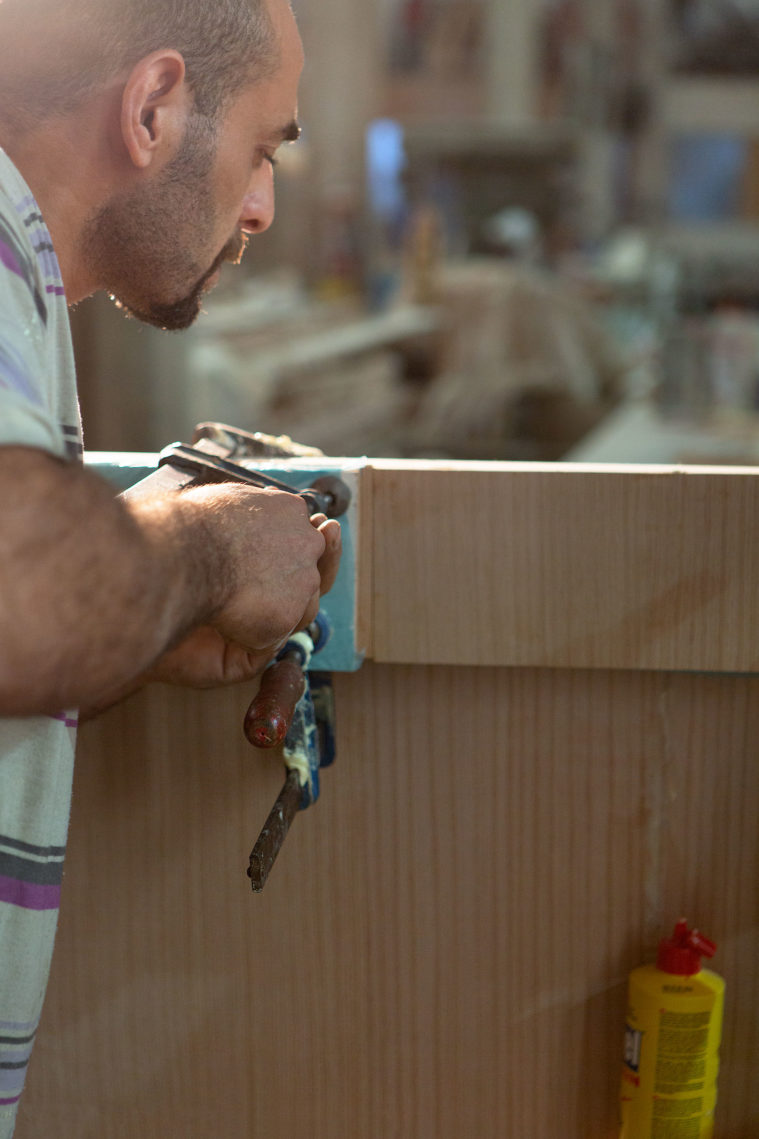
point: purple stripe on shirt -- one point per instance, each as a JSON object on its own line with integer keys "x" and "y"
{"x": 13, "y": 375}
{"x": 16, "y": 1086}
{"x": 28, "y": 895}
{"x": 19, "y": 1025}
{"x": 10, "y": 261}
{"x": 9, "y": 1102}
{"x": 46, "y": 258}
{"x": 56, "y": 290}
{"x": 66, "y": 719}
{"x": 18, "y": 1059}
{"x": 13, "y": 1080}
{"x": 48, "y": 262}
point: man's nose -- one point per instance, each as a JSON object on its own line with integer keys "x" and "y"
{"x": 258, "y": 205}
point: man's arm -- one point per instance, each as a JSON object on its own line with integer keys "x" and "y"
{"x": 205, "y": 659}
{"x": 93, "y": 589}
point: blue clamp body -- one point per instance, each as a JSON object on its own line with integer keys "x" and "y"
{"x": 310, "y": 741}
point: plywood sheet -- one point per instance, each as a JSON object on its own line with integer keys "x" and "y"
{"x": 564, "y": 566}
{"x": 440, "y": 952}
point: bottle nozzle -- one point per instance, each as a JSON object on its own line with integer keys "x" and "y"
{"x": 681, "y": 954}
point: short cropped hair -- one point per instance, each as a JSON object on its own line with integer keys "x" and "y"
{"x": 225, "y": 45}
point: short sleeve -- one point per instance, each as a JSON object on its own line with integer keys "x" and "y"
{"x": 25, "y": 415}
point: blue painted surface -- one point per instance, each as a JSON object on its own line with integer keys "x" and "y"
{"x": 341, "y": 654}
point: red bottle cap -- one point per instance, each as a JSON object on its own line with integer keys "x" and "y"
{"x": 681, "y": 954}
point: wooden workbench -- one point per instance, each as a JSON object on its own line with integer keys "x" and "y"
{"x": 549, "y": 756}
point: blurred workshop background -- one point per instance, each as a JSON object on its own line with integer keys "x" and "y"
{"x": 512, "y": 230}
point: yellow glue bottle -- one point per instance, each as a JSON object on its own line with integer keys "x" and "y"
{"x": 672, "y": 1037}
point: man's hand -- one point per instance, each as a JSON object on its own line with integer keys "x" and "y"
{"x": 259, "y": 552}
{"x": 206, "y": 660}
{"x": 94, "y": 589}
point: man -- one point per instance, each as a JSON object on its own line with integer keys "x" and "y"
{"x": 138, "y": 139}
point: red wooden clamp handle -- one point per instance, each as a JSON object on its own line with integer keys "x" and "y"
{"x": 270, "y": 714}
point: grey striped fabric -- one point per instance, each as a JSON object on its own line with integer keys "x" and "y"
{"x": 38, "y": 408}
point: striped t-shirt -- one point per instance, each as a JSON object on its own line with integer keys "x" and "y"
{"x": 38, "y": 408}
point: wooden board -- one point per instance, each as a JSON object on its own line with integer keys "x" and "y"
{"x": 441, "y": 950}
{"x": 566, "y": 566}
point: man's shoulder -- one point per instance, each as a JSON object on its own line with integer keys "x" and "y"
{"x": 37, "y": 371}
{"x": 16, "y": 198}
{"x": 19, "y": 218}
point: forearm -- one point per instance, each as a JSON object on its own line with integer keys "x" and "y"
{"x": 106, "y": 700}
{"x": 92, "y": 591}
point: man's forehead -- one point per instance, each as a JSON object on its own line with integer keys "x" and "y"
{"x": 270, "y": 102}
{"x": 271, "y": 110}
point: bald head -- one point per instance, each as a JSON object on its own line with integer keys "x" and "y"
{"x": 55, "y": 53}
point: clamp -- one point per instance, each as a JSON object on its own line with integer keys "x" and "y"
{"x": 328, "y": 495}
{"x": 296, "y": 709}
{"x": 293, "y": 708}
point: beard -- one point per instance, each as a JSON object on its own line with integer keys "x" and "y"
{"x": 142, "y": 245}
{"x": 174, "y": 316}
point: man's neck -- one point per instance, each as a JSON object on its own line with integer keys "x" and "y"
{"x": 68, "y": 186}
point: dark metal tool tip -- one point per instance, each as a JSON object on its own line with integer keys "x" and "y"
{"x": 271, "y": 838}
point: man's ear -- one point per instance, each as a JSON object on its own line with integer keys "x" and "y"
{"x": 154, "y": 108}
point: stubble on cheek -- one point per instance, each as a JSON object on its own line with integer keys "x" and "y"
{"x": 180, "y": 314}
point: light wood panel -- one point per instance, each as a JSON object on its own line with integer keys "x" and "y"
{"x": 440, "y": 952}
{"x": 566, "y": 566}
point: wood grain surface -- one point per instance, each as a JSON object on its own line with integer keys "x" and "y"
{"x": 566, "y": 566}
{"x": 536, "y": 777}
{"x": 440, "y": 951}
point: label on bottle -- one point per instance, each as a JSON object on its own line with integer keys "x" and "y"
{"x": 675, "y": 1129}
{"x": 681, "y": 1055}
{"x": 632, "y": 1048}
{"x": 669, "y": 1076}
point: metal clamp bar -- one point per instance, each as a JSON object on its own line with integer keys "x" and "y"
{"x": 328, "y": 496}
